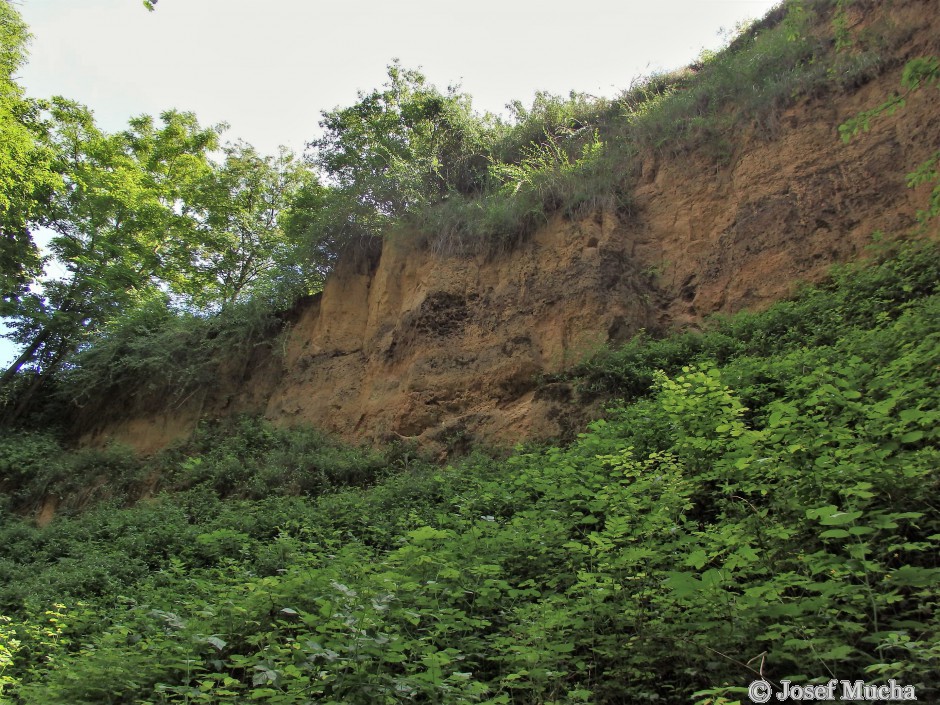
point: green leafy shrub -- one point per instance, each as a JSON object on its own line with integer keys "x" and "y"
{"x": 28, "y": 461}
{"x": 249, "y": 458}
{"x": 156, "y": 352}
{"x": 35, "y": 465}
{"x": 762, "y": 508}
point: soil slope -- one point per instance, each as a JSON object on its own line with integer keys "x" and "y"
{"x": 403, "y": 343}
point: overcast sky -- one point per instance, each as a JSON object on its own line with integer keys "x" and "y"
{"x": 269, "y": 67}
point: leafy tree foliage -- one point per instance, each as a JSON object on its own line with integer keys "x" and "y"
{"x": 402, "y": 145}
{"x": 149, "y": 219}
{"x": 145, "y": 217}
{"x": 241, "y": 205}
{"x": 26, "y": 176}
{"x": 118, "y": 231}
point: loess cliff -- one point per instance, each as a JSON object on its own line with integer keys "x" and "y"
{"x": 405, "y": 343}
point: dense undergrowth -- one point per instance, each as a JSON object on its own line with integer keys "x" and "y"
{"x": 767, "y": 503}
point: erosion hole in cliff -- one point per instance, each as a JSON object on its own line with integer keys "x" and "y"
{"x": 619, "y": 330}
{"x": 441, "y": 314}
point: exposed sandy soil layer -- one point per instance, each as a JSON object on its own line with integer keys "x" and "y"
{"x": 403, "y": 343}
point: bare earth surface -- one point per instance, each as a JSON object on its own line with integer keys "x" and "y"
{"x": 407, "y": 344}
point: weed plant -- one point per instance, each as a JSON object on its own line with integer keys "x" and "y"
{"x": 157, "y": 352}
{"x": 575, "y": 154}
{"x": 764, "y": 503}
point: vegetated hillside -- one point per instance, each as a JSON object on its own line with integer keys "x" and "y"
{"x": 759, "y": 503}
{"x": 763, "y": 506}
{"x": 713, "y": 190}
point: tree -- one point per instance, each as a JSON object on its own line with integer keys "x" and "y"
{"x": 26, "y": 177}
{"x": 120, "y": 233}
{"x": 240, "y": 205}
{"x": 320, "y": 222}
{"x": 399, "y": 146}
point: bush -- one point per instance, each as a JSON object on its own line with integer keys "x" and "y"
{"x": 770, "y": 511}
{"x": 249, "y": 458}
{"x": 156, "y": 352}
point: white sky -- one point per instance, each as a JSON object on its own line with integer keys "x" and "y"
{"x": 269, "y": 67}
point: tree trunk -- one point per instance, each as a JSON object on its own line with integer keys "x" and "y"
{"x": 44, "y": 335}
{"x": 27, "y": 356}
{"x": 35, "y": 384}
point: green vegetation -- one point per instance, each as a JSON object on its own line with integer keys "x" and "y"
{"x": 144, "y": 219}
{"x": 156, "y": 353}
{"x": 25, "y": 171}
{"x": 165, "y": 228}
{"x": 758, "y": 500}
{"x": 581, "y": 153}
{"x": 160, "y": 216}
{"x": 766, "y": 503}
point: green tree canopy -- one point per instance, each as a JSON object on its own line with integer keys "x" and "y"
{"x": 403, "y": 145}
{"x": 26, "y": 177}
{"x": 242, "y": 246}
{"x": 120, "y": 235}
